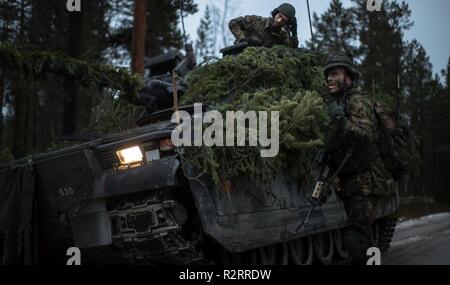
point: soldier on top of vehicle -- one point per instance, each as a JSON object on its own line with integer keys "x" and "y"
{"x": 354, "y": 130}
{"x": 280, "y": 29}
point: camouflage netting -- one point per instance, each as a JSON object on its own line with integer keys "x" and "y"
{"x": 276, "y": 79}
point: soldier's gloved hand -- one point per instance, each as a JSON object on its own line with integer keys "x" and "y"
{"x": 251, "y": 42}
{"x": 294, "y": 42}
{"x": 238, "y": 40}
{"x": 293, "y": 27}
{"x": 336, "y": 111}
{"x": 323, "y": 199}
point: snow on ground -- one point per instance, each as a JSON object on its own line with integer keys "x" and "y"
{"x": 422, "y": 241}
{"x": 423, "y": 220}
{"x": 409, "y": 241}
{"x": 421, "y": 229}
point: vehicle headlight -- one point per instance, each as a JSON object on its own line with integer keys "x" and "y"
{"x": 130, "y": 155}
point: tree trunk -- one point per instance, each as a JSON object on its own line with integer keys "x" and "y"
{"x": 74, "y": 48}
{"x": 138, "y": 41}
{"x": 19, "y": 122}
{"x": 2, "y": 93}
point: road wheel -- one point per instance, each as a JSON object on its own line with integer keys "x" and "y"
{"x": 268, "y": 255}
{"x": 383, "y": 232}
{"x": 338, "y": 245}
{"x": 323, "y": 247}
{"x": 284, "y": 253}
{"x": 301, "y": 250}
{"x": 376, "y": 233}
{"x": 232, "y": 258}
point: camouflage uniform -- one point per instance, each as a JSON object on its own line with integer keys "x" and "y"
{"x": 364, "y": 178}
{"x": 259, "y": 30}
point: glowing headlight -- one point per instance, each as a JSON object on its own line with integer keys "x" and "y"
{"x": 130, "y": 155}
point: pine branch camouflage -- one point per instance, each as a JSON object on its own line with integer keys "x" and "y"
{"x": 267, "y": 79}
{"x": 35, "y": 63}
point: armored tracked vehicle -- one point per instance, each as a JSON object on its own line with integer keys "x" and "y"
{"x": 131, "y": 198}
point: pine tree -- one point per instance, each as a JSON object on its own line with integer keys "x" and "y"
{"x": 438, "y": 125}
{"x": 37, "y": 113}
{"x": 138, "y": 39}
{"x": 206, "y": 39}
{"x": 336, "y": 29}
{"x": 163, "y": 20}
{"x": 416, "y": 77}
{"x": 447, "y": 78}
{"x": 381, "y": 45}
{"x": 428, "y": 107}
{"x": 40, "y": 111}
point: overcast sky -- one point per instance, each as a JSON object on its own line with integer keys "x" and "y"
{"x": 431, "y": 21}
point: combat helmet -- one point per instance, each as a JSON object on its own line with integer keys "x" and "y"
{"x": 286, "y": 9}
{"x": 342, "y": 59}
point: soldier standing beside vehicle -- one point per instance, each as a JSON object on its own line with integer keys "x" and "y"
{"x": 354, "y": 130}
{"x": 280, "y": 29}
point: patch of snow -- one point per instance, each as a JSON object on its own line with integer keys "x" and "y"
{"x": 409, "y": 240}
{"x": 423, "y": 220}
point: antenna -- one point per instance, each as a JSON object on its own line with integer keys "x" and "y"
{"x": 310, "y": 25}
{"x": 182, "y": 21}
{"x": 397, "y": 98}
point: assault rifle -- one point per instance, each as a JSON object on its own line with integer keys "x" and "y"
{"x": 323, "y": 182}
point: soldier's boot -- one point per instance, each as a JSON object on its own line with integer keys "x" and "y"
{"x": 356, "y": 242}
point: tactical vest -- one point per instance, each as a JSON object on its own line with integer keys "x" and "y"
{"x": 391, "y": 145}
{"x": 362, "y": 155}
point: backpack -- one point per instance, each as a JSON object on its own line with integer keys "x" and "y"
{"x": 395, "y": 142}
